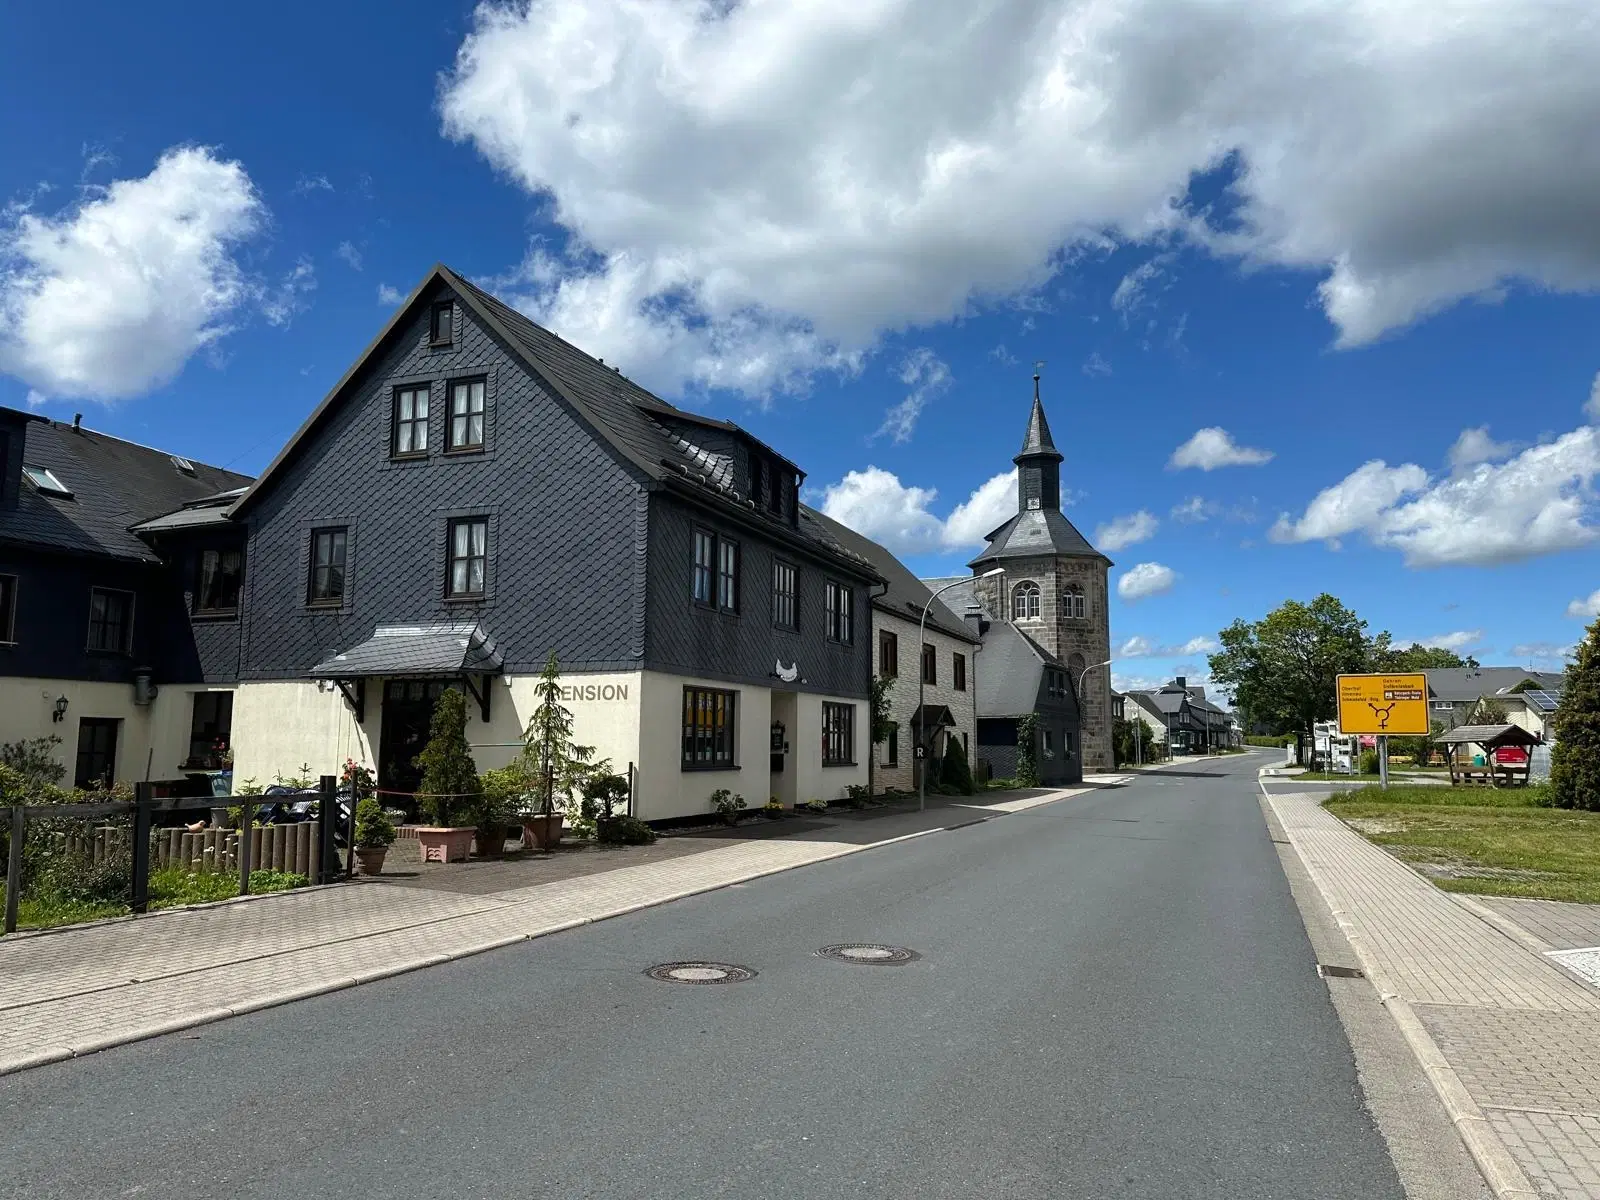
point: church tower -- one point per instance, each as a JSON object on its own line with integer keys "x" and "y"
{"x": 1054, "y": 586}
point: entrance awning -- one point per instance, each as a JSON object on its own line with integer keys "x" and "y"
{"x": 460, "y": 650}
{"x": 932, "y": 717}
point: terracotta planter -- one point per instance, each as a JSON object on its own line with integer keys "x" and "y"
{"x": 445, "y": 844}
{"x": 543, "y": 830}
{"x": 490, "y": 841}
{"x": 369, "y": 859}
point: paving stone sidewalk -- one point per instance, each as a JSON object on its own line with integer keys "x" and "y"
{"x": 1510, "y": 1038}
{"x": 75, "y": 991}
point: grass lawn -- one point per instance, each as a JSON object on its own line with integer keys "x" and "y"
{"x": 1489, "y": 841}
{"x": 171, "y": 888}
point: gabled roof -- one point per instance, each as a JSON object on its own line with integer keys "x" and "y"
{"x": 1038, "y": 532}
{"x": 1490, "y": 737}
{"x": 655, "y": 437}
{"x": 115, "y": 485}
{"x": 1457, "y": 684}
{"x": 1009, "y": 670}
{"x": 906, "y": 594}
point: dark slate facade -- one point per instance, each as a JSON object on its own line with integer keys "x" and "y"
{"x": 57, "y": 548}
{"x": 592, "y": 488}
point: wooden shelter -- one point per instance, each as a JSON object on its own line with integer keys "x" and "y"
{"x": 1491, "y": 738}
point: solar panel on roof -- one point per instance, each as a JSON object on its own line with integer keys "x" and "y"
{"x": 1542, "y": 700}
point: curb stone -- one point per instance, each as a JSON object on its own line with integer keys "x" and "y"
{"x": 1500, "y": 1170}
{"x": 324, "y": 987}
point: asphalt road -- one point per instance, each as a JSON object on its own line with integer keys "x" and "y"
{"x": 1116, "y": 998}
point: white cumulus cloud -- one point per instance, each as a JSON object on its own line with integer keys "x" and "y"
{"x": 389, "y": 296}
{"x": 1211, "y": 448}
{"x": 1475, "y": 446}
{"x": 1146, "y": 579}
{"x": 1539, "y": 502}
{"x": 1460, "y": 639}
{"x": 1143, "y": 647}
{"x": 1585, "y": 607}
{"x": 111, "y": 298}
{"x": 877, "y": 505}
{"x": 1591, "y": 408}
{"x": 762, "y": 188}
{"x": 1126, "y": 531}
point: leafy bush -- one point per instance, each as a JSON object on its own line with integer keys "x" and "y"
{"x": 174, "y": 886}
{"x": 953, "y": 770}
{"x": 1276, "y": 741}
{"x": 857, "y": 795}
{"x": 814, "y": 805}
{"x": 1002, "y": 785}
{"x": 1028, "y": 751}
{"x": 35, "y": 759}
{"x": 624, "y": 831}
{"x": 727, "y": 804}
{"x": 374, "y": 829}
{"x": 1369, "y": 762}
{"x": 75, "y": 877}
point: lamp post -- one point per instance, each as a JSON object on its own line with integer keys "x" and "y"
{"x": 922, "y": 687}
{"x": 1077, "y": 695}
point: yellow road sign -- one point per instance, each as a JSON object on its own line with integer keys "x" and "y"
{"x": 1392, "y": 704}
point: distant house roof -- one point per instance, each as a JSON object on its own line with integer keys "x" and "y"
{"x": 1009, "y": 670}
{"x": 906, "y": 594}
{"x": 437, "y": 648}
{"x": 657, "y": 438}
{"x": 1458, "y": 684}
{"x": 113, "y": 485}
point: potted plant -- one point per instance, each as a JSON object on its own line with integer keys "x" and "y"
{"x": 374, "y": 835}
{"x": 449, "y": 781}
{"x": 553, "y": 763}
{"x": 728, "y": 805}
{"x": 602, "y": 792}
{"x": 499, "y": 807}
{"x": 773, "y": 809}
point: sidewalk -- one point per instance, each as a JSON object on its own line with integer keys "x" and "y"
{"x": 1509, "y": 1038}
{"x": 73, "y": 991}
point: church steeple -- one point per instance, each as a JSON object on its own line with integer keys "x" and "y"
{"x": 1039, "y": 463}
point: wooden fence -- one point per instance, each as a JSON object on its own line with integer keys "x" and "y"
{"x": 292, "y": 848}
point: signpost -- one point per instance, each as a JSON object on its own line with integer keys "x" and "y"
{"x": 1382, "y": 705}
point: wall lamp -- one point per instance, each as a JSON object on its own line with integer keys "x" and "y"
{"x": 59, "y": 711}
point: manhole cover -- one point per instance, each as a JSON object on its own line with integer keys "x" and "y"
{"x": 700, "y": 972}
{"x": 870, "y": 955}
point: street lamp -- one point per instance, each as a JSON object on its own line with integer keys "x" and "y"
{"x": 922, "y": 685}
{"x": 1077, "y": 695}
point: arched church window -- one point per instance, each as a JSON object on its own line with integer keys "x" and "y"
{"x": 1025, "y": 600}
{"x": 1073, "y": 604}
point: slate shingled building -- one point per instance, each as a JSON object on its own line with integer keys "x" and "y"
{"x": 115, "y": 641}
{"x": 476, "y": 493}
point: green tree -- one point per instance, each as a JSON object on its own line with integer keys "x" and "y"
{"x": 449, "y": 776}
{"x": 1283, "y": 668}
{"x": 556, "y": 765}
{"x": 954, "y": 771}
{"x": 1575, "y": 759}
{"x": 1415, "y": 657}
{"x": 881, "y": 726}
{"x": 1488, "y": 711}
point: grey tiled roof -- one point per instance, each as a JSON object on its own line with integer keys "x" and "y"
{"x": 115, "y": 485}
{"x": 212, "y": 510}
{"x": 439, "y": 648}
{"x": 906, "y": 594}
{"x": 1487, "y": 735}
{"x": 1468, "y": 683}
{"x": 1037, "y": 442}
{"x": 654, "y": 436}
{"x": 1034, "y": 533}
{"x": 1009, "y": 670}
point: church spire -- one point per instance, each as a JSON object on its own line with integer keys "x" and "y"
{"x": 1039, "y": 463}
{"x": 1037, "y": 442}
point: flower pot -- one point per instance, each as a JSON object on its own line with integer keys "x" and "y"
{"x": 544, "y": 830}
{"x": 490, "y": 841}
{"x": 445, "y": 844}
{"x": 369, "y": 859}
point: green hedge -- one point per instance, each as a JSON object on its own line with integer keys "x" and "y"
{"x": 1276, "y": 740}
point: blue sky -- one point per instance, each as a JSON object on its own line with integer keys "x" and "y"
{"x": 1330, "y": 250}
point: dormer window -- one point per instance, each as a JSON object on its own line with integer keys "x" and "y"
{"x": 441, "y": 328}
{"x": 47, "y": 481}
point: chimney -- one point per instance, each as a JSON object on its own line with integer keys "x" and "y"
{"x": 1182, "y": 683}
{"x": 975, "y": 620}
{"x": 77, "y": 422}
